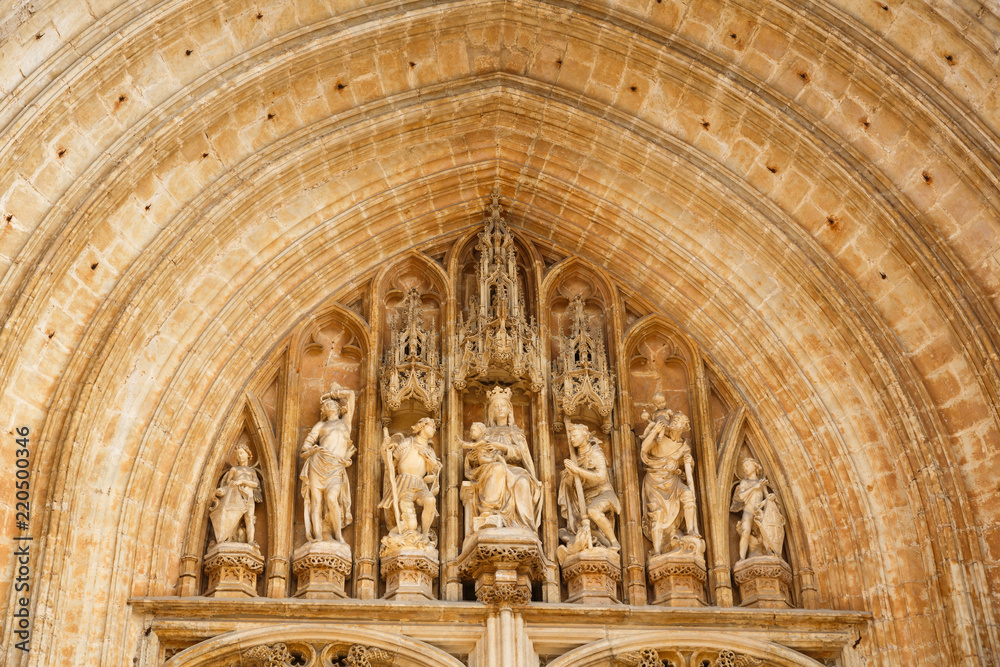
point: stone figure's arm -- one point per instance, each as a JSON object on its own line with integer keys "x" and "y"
{"x": 348, "y": 416}
{"x": 310, "y": 442}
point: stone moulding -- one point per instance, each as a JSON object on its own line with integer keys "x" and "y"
{"x": 321, "y": 568}
{"x": 504, "y": 562}
{"x": 764, "y": 581}
{"x": 409, "y": 573}
{"x": 232, "y": 569}
{"x": 678, "y": 579}
{"x": 592, "y": 576}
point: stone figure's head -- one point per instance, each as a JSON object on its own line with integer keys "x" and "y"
{"x": 242, "y": 455}
{"x": 751, "y": 469}
{"x": 659, "y": 400}
{"x": 679, "y": 423}
{"x": 329, "y": 407}
{"x": 426, "y": 426}
{"x": 577, "y": 434}
{"x": 499, "y": 408}
{"x": 477, "y": 430}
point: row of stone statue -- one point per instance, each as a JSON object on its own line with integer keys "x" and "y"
{"x": 501, "y": 493}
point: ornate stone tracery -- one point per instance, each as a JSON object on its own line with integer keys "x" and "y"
{"x": 588, "y": 518}
{"x": 498, "y": 335}
{"x": 411, "y": 366}
{"x": 580, "y": 374}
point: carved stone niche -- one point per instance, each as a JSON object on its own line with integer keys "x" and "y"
{"x": 503, "y": 562}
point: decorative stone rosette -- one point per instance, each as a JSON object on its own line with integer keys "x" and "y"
{"x": 321, "y": 569}
{"x": 592, "y": 576}
{"x": 232, "y": 569}
{"x": 764, "y": 581}
{"x": 503, "y": 562}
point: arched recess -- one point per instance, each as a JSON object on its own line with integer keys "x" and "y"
{"x": 227, "y": 649}
{"x": 739, "y": 429}
{"x": 693, "y": 643}
{"x": 251, "y": 418}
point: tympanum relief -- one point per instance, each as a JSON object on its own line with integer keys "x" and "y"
{"x": 583, "y": 485}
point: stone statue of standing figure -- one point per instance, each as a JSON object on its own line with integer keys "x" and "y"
{"x": 327, "y": 451}
{"x": 235, "y": 500}
{"x": 667, "y": 495}
{"x": 762, "y": 525}
{"x": 586, "y": 497}
{"x": 411, "y": 483}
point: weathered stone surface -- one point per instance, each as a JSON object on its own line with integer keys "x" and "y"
{"x": 807, "y": 192}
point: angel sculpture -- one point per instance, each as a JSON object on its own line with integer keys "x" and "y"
{"x": 762, "y": 526}
{"x": 235, "y": 500}
{"x": 412, "y": 481}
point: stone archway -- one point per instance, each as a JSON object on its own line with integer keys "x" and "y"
{"x": 688, "y": 648}
{"x": 316, "y": 643}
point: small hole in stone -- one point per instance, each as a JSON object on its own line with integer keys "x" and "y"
{"x": 204, "y": 155}
{"x": 950, "y": 58}
{"x": 340, "y": 86}
{"x": 633, "y": 88}
{"x": 773, "y": 170}
{"x": 413, "y": 64}
{"x": 804, "y": 76}
{"x": 832, "y": 221}
{"x": 864, "y": 121}
{"x": 927, "y": 178}
{"x": 62, "y": 151}
{"x": 188, "y": 52}
{"x": 260, "y": 15}
{"x": 882, "y": 274}
{"x": 270, "y": 116}
{"x": 148, "y": 206}
{"x": 39, "y": 35}
{"x": 732, "y": 35}
{"x": 9, "y": 217}
{"x": 659, "y": 1}
{"x": 50, "y": 334}
{"x": 559, "y": 62}
{"x": 93, "y": 266}
{"x": 122, "y": 98}
{"x": 705, "y": 124}
{"x": 885, "y": 8}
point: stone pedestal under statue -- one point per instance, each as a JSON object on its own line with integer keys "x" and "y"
{"x": 503, "y": 562}
{"x": 679, "y": 576}
{"x": 592, "y": 576}
{"x": 409, "y": 572}
{"x": 321, "y": 569}
{"x": 764, "y": 581}
{"x": 232, "y": 569}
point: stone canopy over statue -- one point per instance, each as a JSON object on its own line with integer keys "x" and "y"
{"x": 502, "y": 489}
